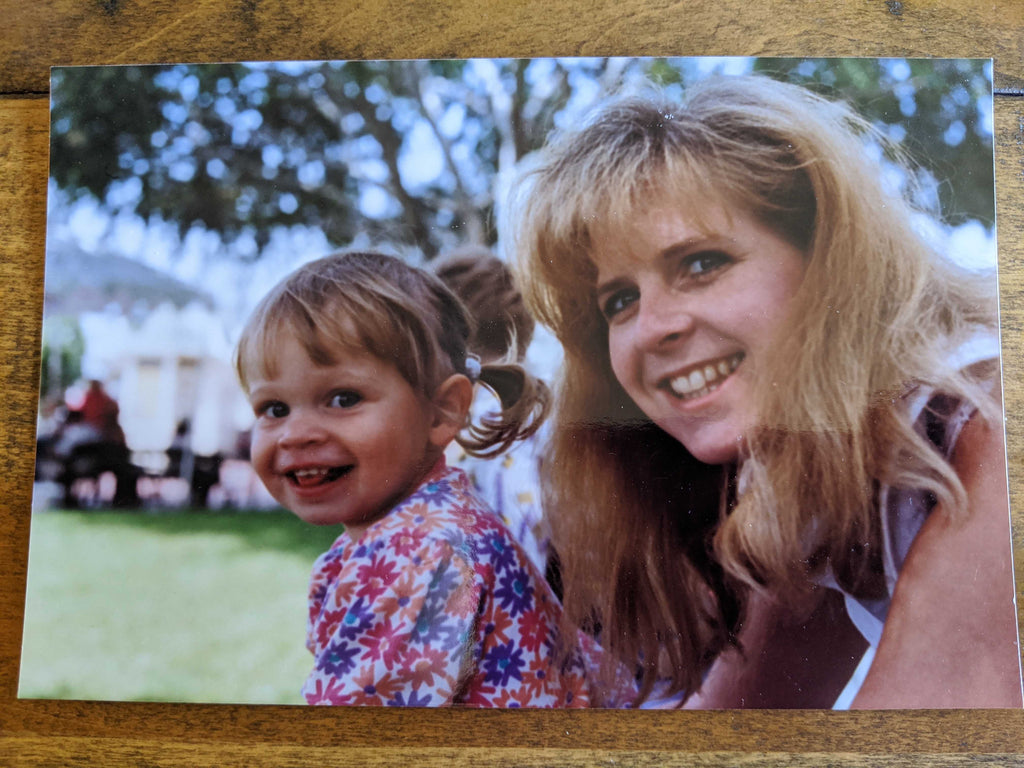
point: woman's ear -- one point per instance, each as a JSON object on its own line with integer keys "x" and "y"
{"x": 451, "y": 403}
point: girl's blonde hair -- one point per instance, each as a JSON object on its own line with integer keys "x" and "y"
{"x": 379, "y": 304}
{"x": 657, "y": 549}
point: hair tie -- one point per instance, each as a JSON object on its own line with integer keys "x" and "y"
{"x": 473, "y": 367}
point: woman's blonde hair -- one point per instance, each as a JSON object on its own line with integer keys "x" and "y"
{"x": 372, "y": 302}
{"x": 657, "y": 549}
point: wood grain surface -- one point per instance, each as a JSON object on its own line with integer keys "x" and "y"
{"x": 38, "y": 35}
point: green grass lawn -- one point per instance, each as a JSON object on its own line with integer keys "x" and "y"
{"x": 173, "y": 606}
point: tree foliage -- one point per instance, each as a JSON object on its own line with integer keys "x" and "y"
{"x": 410, "y": 152}
{"x": 940, "y": 110}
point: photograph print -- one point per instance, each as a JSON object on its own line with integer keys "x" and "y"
{"x": 567, "y": 382}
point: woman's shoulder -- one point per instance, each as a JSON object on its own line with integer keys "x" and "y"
{"x": 978, "y": 457}
{"x": 950, "y": 637}
{"x": 940, "y": 411}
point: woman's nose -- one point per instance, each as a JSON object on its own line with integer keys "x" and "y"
{"x": 662, "y": 319}
{"x": 301, "y": 428}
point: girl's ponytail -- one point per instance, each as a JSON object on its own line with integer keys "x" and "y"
{"x": 525, "y": 402}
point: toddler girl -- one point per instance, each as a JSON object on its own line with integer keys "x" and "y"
{"x": 357, "y": 371}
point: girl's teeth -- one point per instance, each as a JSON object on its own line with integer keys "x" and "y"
{"x": 307, "y": 477}
{"x": 310, "y": 476}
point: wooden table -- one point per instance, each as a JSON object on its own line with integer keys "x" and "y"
{"x": 37, "y": 35}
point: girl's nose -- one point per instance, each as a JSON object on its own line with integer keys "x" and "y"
{"x": 663, "y": 318}
{"x": 301, "y": 428}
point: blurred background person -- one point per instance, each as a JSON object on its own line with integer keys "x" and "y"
{"x": 503, "y": 331}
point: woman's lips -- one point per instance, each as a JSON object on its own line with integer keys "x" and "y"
{"x": 704, "y": 378}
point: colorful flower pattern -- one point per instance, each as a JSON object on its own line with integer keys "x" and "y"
{"x": 510, "y": 483}
{"x": 436, "y": 605}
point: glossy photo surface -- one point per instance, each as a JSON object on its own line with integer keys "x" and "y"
{"x": 184, "y": 527}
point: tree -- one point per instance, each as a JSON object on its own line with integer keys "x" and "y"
{"x": 939, "y": 109}
{"x": 402, "y": 151}
{"x": 409, "y": 152}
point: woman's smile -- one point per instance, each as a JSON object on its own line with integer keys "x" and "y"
{"x": 693, "y": 310}
{"x": 703, "y": 378}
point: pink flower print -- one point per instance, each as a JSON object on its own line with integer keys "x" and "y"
{"x": 375, "y": 577}
{"x": 374, "y": 690}
{"x": 533, "y": 630}
{"x": 411, "y": 515}
{"x": 505, "y": 699}
{"x": 539, "y": 676}
{"x": 407, "y": 541}
{"x": 383, "y": 642}
{"x": 435, "y": 605}
{"x": 402, "y": 600}
{"x": 479, "y": 694}
{"x": 499, "y": 625}
{"x": 327, "y": 691}
{"x": 326, "y": 627}
{"x": 522, "y": 697}
{"x": 343, "y": 593}
{"x": 426, "y": 663}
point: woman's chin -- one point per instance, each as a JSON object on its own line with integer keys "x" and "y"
{"x": 709, "y": 444}
{"x": 718, "y": 456}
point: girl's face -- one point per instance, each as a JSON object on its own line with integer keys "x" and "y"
{"x": 693, "y": 312}
{"x": 341, "y": 443}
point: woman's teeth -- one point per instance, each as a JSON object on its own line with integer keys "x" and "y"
{"x": 704, "y": 379}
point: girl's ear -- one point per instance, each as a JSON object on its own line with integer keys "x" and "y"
{"x": 451, "y": 404}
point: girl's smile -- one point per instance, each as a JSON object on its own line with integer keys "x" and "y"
{"x": 343, "y": 442}
{"x": 693, "y": 308}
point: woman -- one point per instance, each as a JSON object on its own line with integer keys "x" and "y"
{"x": 778, "y": 453}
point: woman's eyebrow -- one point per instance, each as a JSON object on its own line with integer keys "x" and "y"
{"x": 690, "y": 245}
{"x": 612, "y": 284}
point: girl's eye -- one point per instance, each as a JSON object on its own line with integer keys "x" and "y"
{"x": 701, "y": 263}
{"x": 274, "y": 409}
{"x": 345, "y": 399}
{"x": 618, "y": 301}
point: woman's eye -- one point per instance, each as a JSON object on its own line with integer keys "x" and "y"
{"x": 618, "y": 302}
{"x": 703, "y": 262}
{"x": 345, "y": 399}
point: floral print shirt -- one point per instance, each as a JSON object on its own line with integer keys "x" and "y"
{"x": 510, "y": 484}
{"x": 433, "y": 605}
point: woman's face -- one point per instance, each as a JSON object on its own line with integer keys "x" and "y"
{"x": 693, "y": 312}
